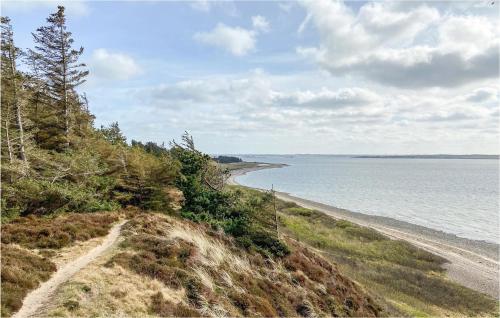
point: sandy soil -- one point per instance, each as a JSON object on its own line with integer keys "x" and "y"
{"x": 38, "y": 297}
{"x": 474, "y": 264}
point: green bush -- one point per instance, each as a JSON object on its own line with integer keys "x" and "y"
{"x": 236, "y": 212}
{"x": 269, "y": 243}
{"x": 299, "y": 211}
{"x": 43, "y": 197}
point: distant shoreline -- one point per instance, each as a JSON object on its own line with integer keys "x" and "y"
{"x": 474, "y": 264}
{"x": 427, "y": 157}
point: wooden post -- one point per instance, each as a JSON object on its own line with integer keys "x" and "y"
{"x": 275, "y": 211}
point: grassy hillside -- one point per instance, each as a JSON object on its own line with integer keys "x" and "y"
{"x": 170, "y": 266}
{"x": 167, "y": 266}
{"x": 32, "y": 246}
{"x": 404, "y": 279}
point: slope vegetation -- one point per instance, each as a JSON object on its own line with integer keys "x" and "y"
{"x": 405, "y": 280}
{"x": 171, "y": 267}
{"x": 33, "y": 247}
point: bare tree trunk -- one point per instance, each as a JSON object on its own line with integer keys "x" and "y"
{"x": 66, "y": 117}
{"x": 22, "y": 153}
{"x": 123, "y": 162}
{"x": 7, "y": 136}
{"x": 65, "y": 91}
{"x": 275, "y": 212}
{"x": 17, "y": 105}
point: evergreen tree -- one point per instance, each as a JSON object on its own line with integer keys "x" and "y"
{"x": 113, "y": 134}
{"x": 58, "y": 62}
{"x": 11, "y": 88}
{"x": 38, "y": 97}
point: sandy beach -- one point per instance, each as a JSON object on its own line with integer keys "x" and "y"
{"x": 474, "y": 264}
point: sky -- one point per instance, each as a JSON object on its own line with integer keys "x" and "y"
{"x": 271, "y": 77}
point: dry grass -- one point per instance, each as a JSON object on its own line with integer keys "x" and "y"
{"x": 33, "y": 246}
{"x": 56, "y": 232}
{"x": 212, "y": 252}
{"x": 103, "y": 291}
{"x": 164, "y": 308}
{"x": 68, "y": 253}
{"x": 22, "y": 271}
{"x": 169, "y": 267}
{"x": 219, "y": 279}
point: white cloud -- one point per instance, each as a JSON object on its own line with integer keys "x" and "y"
{"x": 277, "y": 108}
{"x": 383, "y": 42}
{"x": 260, "y": 23}
{"x": 112, "y": 66}
{"x": 326, "y": 98}
{"x": 286, "y": 6}
{"x": 73, "y": 7}
{"x": 483, "y": 94}
{"x": 471, "y": 35}
{"x": 304, "y": 23}
{"x": 250, "y": 90}
{"x": 236, "y": 40}
{"x": 421, "y": 67}
{"x": 206, "y": 6}
{"x": 201, "y": 5}
{"x": 385, "y": 23}
{"x": 256, "y": 93}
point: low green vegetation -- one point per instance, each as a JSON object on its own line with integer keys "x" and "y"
{"x": 408, "y": 280}
{"x": 238, "y": 165}
{"x": 227, "y": 159}
{"x": 206, "y": 200}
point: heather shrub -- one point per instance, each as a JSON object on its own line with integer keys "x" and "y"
{"x": 22, "y": 271}
{"x": 56, "y": 232}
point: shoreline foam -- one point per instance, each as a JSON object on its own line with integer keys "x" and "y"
{"x": 474, "y": 264}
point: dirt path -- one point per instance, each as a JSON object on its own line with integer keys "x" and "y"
{"x": 468, "y": 265}
{"x": 38, "y": 297}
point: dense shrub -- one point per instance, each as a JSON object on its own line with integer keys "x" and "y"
{"x": 99, "y": 172}
{"x": 236, "y": 214}
{"x": 58, "y": 232}
{"x": 227, "y": 159}
{"x": 41, "y": 197}
{"x": 268, "y": 242}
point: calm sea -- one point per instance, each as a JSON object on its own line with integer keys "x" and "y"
{"x": 458, "y": 196}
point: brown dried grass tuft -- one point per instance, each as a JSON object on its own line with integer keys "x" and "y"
{"x": 22, "y": 271}
{"x": 216, "y": 278}
{"x": 57, "y": 232}
{"x": 164, "y": 308}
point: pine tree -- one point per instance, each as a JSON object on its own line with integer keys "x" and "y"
{"x": 35, "y": 84}
{"x": 58, "y": 62}
{"x": 12, "y": 92}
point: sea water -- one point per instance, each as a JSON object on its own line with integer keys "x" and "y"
{"x": 457, "y": 196}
